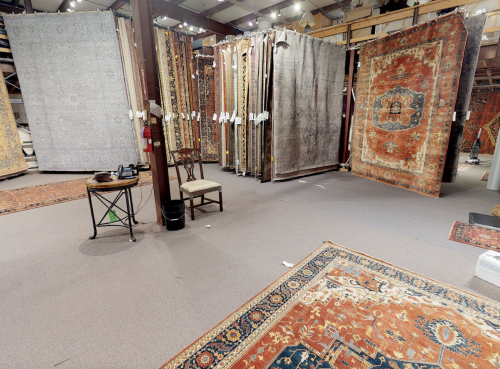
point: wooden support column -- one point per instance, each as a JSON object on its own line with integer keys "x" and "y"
{"x": 146, "y": 51}
{"x": 415, "y": 15}
{"x": 28, "y": 6}
{"x": 345, "y": 156}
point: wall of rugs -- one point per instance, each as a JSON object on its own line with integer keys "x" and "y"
{"x": 278, "y": 104}
{"x": 270, "y": 105}
{"x": 81, "y": 88}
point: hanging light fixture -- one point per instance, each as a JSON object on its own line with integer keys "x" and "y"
{"x": 307, "y": 21}
{"x": 279, "y": 13}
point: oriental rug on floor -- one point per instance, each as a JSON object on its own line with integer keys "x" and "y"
{"x": 405, "y": 103}
{"x": 475, "y": 235}
{"x": 343, "y": 309}
{"x": 484, "y": 113}
{"x": 26, "y": 198}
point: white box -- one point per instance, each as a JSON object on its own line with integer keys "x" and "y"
{"x": 488, "y": 267}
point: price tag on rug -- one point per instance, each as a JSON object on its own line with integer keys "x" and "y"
{"x": 215, "y": 116}
{"x": 183, "y": 117}
{"x": 112, "y": 216}
{"x": 199, "y": 115}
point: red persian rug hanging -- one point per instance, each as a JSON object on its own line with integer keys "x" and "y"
{"x": 475, "y": 235}
{"x": 484, "y": 113}
{"x": 342, "y": 309}
{"x": 405, "y": 100}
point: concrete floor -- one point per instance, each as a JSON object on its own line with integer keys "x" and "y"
{"x": 110, "y": 303}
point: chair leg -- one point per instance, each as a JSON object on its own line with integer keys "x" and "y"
{"x": 220, "y": 200}
{"x": 202, "y": 199}
{"x": 192, "y": 209}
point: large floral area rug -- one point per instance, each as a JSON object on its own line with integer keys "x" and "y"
{"x": 26, "y": 198}
{"x": 475, "y": 235}
{"x": 343, "y": 309}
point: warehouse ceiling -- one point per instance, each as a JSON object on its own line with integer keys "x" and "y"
{"x": 240, "y": 14}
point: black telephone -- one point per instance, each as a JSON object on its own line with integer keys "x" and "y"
{"x": 127, "y": 172}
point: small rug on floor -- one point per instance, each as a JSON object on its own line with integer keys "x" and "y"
{"x": 26, "y": 198}
{"x": 475, "y": 235}
{"x": 343, "y": 309}
{"x": 485, "y": 176}
{"x": 464, "y": 167}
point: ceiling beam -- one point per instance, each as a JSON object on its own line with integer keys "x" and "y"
{"x": 218, "y": 8}
{"x": 118, "y": 4}
{"x": 9, "y": 8}
{"x": 174, "y": 11}
{"x": 265, "y": 11}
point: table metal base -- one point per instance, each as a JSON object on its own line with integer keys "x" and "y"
{"x": 126, "y": 221}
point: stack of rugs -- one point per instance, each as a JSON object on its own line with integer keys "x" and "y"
{"x": 278, "y": 102}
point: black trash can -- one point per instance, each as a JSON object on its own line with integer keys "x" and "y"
{"x": 174, "y": 212}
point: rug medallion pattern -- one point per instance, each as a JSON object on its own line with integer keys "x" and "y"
{"x": 405, "y": 104}
{"x": 343, "y": 309}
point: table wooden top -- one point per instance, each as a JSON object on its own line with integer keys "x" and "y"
{"x": 92, "y": 183}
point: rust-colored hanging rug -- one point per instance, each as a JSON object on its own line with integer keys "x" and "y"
{"x": 407, "y": 87}
{"x": 484, "y": 113}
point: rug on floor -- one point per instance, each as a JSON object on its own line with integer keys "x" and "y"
{"x": 404, "y": 104}
{"x": 343, "y": 309}
{"x": 475, "y": 235}
{"x": 26, "y": 198}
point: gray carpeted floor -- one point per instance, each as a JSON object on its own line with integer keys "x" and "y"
{"x": 110, "y": 303}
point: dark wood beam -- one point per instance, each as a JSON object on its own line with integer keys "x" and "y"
{"x": 174, "y": 11}
{"x": 15, "y": 2}
{"x": 28, "y": 6}
{"x": 142, "y": 11}
{"x": 118, "y": 4}
{"x": 218, "y": 8}
{"x": 64, "y": 6}
{"x": 265, "y": 11}
{"x": 9, "y": 8}
{"x": 415, "y": 16}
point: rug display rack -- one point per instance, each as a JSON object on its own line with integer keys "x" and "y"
{"x": 277, "y": 100}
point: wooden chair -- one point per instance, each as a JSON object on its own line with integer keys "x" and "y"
{"x": 194, "y": 187}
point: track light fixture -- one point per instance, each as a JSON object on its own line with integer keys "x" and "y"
{"x": 273, "y": 15}
{"x": 279, "y": 13}
{"x": 250, "y": 23}
{"x": 165, "y": 18}
{"x": 297, "y": 6}
{"x": 72, "y": 4}
{"x": 185, "y": 24}
{"x": 180, "y": 25}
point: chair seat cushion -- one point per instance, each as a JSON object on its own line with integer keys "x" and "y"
{"x": 199, "y": 187}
